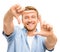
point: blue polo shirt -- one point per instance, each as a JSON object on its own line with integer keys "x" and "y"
{"x": 17, "y": 42}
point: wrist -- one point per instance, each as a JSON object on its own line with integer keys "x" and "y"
{"x": 52, "y": 39}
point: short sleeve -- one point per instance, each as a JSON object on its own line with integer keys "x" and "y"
{"x": 12, "y": 35}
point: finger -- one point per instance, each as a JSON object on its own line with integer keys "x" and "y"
{"x": 39, "y": 33}
{"x": 42, "y": 33}
{"x": 14, "y": 7}
{"x": 17, "y": 6}
{"x": 20, "y": 11}
{"x": 14, "y": 12}
{"x": 40, "y": 20}
{"x": 44, "y": 26}
{"x": 18, "y": 19}
{"x": 49, "y": 27}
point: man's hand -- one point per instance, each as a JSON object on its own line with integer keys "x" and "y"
{"x": 47, "y": 31}
{"x": 8, "y": 25}
{"x": 16, "y": 11}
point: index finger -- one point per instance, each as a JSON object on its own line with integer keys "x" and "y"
{"x": 40, "y": 20}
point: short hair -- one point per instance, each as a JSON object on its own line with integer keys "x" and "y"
{"x": 30, "y": 8}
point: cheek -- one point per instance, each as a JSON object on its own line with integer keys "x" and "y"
{"x": 36, "y": 20}
{"x": 24, "y": 21}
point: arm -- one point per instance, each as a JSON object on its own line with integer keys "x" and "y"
{"x": 47, "y": 31}
{"x": 50, "y": 41}
{"x": 8, "y": 26}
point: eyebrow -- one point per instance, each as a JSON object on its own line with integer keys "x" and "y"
{"x": 30, "y": 11}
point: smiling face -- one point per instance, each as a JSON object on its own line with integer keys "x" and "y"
{"x": 30, "y": 19}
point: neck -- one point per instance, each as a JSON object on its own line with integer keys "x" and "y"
{"x": 30, "y": 33}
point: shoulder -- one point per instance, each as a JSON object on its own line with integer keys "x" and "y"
{"x": 19, "y": 29}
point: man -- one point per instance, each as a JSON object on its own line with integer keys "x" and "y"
{"x": 27, "y": 39}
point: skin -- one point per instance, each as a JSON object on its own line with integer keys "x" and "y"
{"x": 30, "y": 20}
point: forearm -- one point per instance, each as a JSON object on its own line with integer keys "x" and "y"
{"x": 8, "y": 26}
{"x": 51, "y": 41}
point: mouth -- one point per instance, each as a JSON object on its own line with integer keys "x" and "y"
{"x": 30, "y": 24}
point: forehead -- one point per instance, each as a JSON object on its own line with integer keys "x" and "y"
{"x": 29, "y": 12}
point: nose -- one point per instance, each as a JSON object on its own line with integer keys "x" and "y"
{"x": 30, "y": 19}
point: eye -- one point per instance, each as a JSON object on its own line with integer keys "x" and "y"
{"x": 26, "y": 17}
{"x": 33, "y": 16}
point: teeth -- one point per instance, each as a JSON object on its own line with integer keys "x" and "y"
{"x": 30, "y": 24}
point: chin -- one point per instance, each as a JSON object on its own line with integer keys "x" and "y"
{"x": 30, "y": 29}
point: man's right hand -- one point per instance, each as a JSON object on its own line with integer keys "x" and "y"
{"x": 16, "y": 11}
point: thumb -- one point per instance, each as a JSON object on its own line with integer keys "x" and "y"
{"x": 40, "y": 20}
{"x": 40, "y": 33}
{"x": 18, "y": 19}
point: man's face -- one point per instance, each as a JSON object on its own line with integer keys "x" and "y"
{"x": 30, "y": 19}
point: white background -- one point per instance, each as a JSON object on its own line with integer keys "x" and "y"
{"x": 48, "y": 9}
